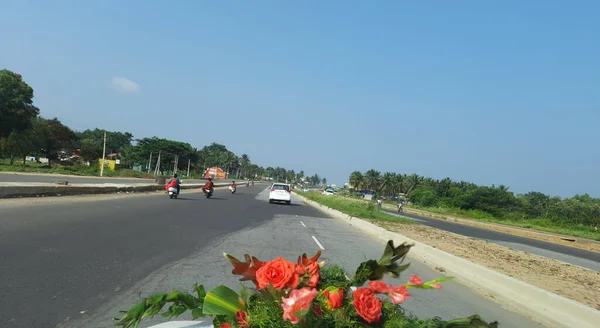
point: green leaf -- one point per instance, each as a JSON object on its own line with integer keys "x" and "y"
{"x": 438, "y": 280}
{"x": 197, "y": 313}
{"x": 395, "y": 270}
{"x": 393, "y": 254}
{"x": 222, "y": 300}
{"x": 473, "y": 321}
{"x": 199, "y": 289}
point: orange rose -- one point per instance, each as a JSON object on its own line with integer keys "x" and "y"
{"x": 280, "y": 273}
{"x": 225, "y": 325}
{"x": 367, "y": 305}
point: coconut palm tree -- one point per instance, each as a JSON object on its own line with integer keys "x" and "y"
{"x": 372, "y": 179}
{"x": 356, "y": 179}
{"x": 387, "y": 181}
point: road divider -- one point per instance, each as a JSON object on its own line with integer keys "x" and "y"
{"x": 549, "y": 309}
{"x": 16, "y": 190}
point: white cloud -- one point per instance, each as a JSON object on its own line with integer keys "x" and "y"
{"x": 125, "y": 85}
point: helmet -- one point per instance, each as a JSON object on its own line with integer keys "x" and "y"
{"x": 175, "y": 175}
{"x": 209, "y": 179}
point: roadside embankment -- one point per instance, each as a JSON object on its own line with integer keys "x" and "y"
{"x": 555, "y": 303}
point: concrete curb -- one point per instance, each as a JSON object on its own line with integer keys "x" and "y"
{"x": 60, "y": 190}
{"x": 547, "y": 308}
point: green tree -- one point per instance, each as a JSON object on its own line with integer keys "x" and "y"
{"x": 90, "y": 150}
{"x": 115, "y": 141}
{"x": 16, "y": 104}
{"x": 168, "y": 149}
{"x": 387, "y": 183}
{"x": 18, "y": 145}
{"x": 53, "y": 137}
{"x": 356, "y": 180}
{"x": 424, "y": 196}
{"x": 372, "y": 180}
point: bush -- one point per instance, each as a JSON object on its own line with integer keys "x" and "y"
{"x": 424, "y": 196}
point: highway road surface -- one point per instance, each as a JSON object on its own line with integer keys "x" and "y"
{"x": 52, "y": 178}
{"x": 77, "y": 261}
{"x": 572, "y": 255}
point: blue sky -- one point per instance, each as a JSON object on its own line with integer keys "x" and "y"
{"x": 493, "y": 92}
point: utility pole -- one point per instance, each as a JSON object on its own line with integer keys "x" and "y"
{"x": 189, "y": 162}
{"x": 176, "y": 164}
{"x": 103, "y": 155}
{"x": 150, "y": 162}
{"x": 157, "y": 167}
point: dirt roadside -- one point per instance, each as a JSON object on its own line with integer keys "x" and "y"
{"x": 577, "y": 283}
{"x": 590, "y": 245}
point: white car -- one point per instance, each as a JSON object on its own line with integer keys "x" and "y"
{"x": 328, "y": 192}
{"x": 280, "y": 192}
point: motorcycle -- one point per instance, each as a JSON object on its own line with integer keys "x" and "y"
{"x": 400, "y": 210}
{"x": 172, "y": 191}
{"x": 208, "y": 193}
{"x": 247, "y": 184}
{"x": 232, "y": 189}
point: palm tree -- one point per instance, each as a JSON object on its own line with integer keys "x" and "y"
{"x": 356, "y": 179}
{"x": 398, "y": 184}
{"x": 414, "y": 181}
{"x": 387, "y": 181}
{"x": 244, "y": 162}
{"x": 372, "y": 178}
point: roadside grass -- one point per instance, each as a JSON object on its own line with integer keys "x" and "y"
{"x": 539, "y": 224}
{"x": 80, "y": 170}
{"x": 352, "y": 208}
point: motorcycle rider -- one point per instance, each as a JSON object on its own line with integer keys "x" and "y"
{"x": 232, "y": 187}
{"x": 379, "y": 202}
{"x": 175, "y": 180}
{"x": 399, "y": 206}
{"x": 208, "y": 185}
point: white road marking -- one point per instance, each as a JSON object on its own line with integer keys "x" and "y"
{"x": 318, "y": 243}
{"x": 304, "y": 225}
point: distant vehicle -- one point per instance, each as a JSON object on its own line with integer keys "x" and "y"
{"x": 280, "y": 192}
{"x": 328, "y": 192}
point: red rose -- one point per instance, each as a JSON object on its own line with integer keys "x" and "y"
{"x": 367, "y": 305}
{"x": 334, "y": 298}
{"x": 280, "y": 273}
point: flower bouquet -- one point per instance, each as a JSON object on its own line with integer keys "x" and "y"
{"x": 306, "y": 294}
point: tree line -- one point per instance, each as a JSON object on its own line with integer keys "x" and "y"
{"x": 497, "y": 201}
{"x": 23, "y": 132}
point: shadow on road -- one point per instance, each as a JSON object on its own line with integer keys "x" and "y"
{"x": 284, "y": 204}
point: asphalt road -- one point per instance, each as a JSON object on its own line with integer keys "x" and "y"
{"x": 77, "y": 261}
{"x": 48, "y": 178}
{"x": 576, "y": 256}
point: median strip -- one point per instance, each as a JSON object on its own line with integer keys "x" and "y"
{"x": 17, "y": 190}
